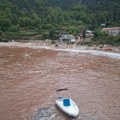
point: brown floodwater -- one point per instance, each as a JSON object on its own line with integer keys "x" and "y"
{"x": 29, "y": 79}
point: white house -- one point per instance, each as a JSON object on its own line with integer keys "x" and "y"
{"x": 67, "y": 38}
{"x": 114, "y": 31}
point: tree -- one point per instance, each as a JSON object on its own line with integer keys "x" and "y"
{"x": 25, "y": 21}
{"x": 83, "y": 34}
{"x": 52, "y": 34}
{"x": 99, "y": 33}
{"x": 14, "y": 28}
{"x": 45, "y": 35}
{"x": 1, "y": 32}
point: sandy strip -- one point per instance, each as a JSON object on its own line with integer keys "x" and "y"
{"x": 80, "y": 49}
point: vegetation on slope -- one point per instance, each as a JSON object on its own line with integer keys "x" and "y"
{"x": 48, "y": 18}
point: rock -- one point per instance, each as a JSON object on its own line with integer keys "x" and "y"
{"x": 106, "y": 46}
{"x": 108, "y": 49}
{"x": 94, "y": 45}
{"x": 100, "y": 46}
{"x": 116, "y": 50}
{"x": 56, "y": 45}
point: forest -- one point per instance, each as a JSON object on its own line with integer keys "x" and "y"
{"x": 46, "y": 19}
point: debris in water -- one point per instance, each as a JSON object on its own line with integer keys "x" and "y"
{"x": 45, "y": 114}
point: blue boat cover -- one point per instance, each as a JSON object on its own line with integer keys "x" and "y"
{"x": 66, "y": 102}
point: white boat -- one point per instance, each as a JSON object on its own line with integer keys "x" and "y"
{"x": 67, "y": 105}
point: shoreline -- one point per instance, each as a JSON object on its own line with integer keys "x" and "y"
{"x": 94, "y": 50}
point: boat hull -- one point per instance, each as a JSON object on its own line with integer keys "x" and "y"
{"x": 71, "y": 110}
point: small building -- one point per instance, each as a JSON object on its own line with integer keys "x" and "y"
{"x": 114, "y": 31}
{"x": 67, "y": 38}
{"x": 89, "y": 33}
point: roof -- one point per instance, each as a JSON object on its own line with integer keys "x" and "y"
{"x": 89, "y": 31}
{"x": 112, "y": 28}
{"x": 67, "y": 36}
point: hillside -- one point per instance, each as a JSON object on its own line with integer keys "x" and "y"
{"x": 49, "y": 18}
{"x": 110, "y": 6}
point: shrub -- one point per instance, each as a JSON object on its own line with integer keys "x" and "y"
{"x": 53, "y": 42}
{"x": 99, "y": 33}
{"x": 45, "y": 35}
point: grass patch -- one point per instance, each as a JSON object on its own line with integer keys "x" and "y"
{"x": 24, "y": 35}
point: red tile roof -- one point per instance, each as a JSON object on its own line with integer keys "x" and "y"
{"x": 112, "y": 28}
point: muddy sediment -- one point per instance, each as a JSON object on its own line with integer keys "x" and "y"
{"x": 29, "y": 78}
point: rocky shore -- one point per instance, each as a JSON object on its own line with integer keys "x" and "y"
{"x": 108, "y": 48}
{"x": 105, "y": 48}
{"x": 58, "y": 45}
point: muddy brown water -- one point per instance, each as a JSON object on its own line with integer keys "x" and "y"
{"x": 30, "y": 77}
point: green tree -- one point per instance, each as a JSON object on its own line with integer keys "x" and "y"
{"x": 25, "y": 21}
{"x": 14, "y": 28}
{"x": 99, "y": 33}
{"x": 52, "y": 34}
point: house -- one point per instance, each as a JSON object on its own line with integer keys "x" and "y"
{"x": 114, "y": 31}
{"x": 89, "y": 33}
{"x": 67, "y": 38}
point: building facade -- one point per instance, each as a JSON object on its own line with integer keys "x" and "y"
{"x": 67, "y": 38}
{"x": 114, "y": 31}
